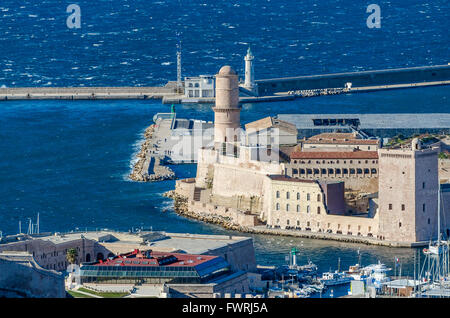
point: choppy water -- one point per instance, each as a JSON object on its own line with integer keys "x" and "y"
{"x": 133, "y": 42}
{"x": 68, "y": 160}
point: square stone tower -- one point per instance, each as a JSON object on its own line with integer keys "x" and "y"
{"x": 408, "y": 194}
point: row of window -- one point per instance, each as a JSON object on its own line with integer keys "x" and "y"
{"x": 308, "y": 196}
{"x": 308, "y": 224}
{"x": 332, "y": 161}
{"x": 337, "y": 171}
{"x": 288, "y": 208}
{"x": 403, "y": 207}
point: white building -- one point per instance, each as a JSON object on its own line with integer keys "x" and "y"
{"x": 202, "y": 86}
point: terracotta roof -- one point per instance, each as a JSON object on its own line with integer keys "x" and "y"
{"x": 333, "y": 136}
{"x": 335, "y": 155}
{"x": 343, "y": 141}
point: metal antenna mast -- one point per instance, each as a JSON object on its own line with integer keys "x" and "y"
{"x": 179, "y": 83}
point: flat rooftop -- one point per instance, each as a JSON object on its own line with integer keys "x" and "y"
{"x": 157, "y": 241}
{"x": 369, "y": 121}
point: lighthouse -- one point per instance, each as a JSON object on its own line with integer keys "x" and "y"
{"x": 249, "y": 72}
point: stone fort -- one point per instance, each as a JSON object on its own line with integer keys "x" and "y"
{"x": 247, "y": 184}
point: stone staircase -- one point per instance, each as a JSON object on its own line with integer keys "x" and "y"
{"x": 197, "y": 194}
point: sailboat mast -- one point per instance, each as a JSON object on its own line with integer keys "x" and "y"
{"x": 439, "y": 213}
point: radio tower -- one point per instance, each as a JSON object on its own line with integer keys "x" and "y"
{"x": 179, "y": 83}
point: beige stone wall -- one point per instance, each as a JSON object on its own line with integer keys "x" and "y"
{"x": 22, "y": 274}
{"x": 408, "y": 194}
{"x": 312, "y": 214}
{"x": 53, "y": 256}
{"x": 234, "y": 215}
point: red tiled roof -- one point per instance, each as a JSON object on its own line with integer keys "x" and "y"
{"x": 343, "y": 141}
{"x": 138, "y": 258}
{"x": 335, "y": 155}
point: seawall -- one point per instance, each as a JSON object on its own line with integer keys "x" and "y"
{"x": 86, "y": 93}
{"x": 377, "y": 79}
{"x": 183, "y": 207}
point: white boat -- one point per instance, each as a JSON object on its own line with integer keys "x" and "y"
{"x": 375, "y": 274}
{"x": 334, "y": 278}
{"x": 438, "y": 248}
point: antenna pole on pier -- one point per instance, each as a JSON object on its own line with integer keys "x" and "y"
{"x": 179, "y": 83}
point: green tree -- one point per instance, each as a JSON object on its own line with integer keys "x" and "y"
{"x": 72, "y": 255}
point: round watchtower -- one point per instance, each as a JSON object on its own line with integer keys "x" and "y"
{"x": 227, "y": 120}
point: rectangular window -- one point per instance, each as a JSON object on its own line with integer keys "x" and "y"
{"x": 390, "y": 206}
{"x": 403, "y": 207}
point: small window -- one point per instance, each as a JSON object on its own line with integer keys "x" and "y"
{"x": 318, "y": 210}
{"x": 298, "y": 208}
{"x": 308, "y": 209}
{"x": 390, "y": 206}
{"x": 287, "y": 207}
{"x": 403, "y": 207}
{"x": 298, "y": 195}
{"x": 308, "y": 197}
{"x": 278, "y": 194}
{"x": 288, "y": 195}
{"x": 278, "y": 207}
{"x": 318, "y": 198}
{"x": 400, "y": 224}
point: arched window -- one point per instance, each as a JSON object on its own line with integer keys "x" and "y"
{"x": 278, "y": 194}
{"x": 288, "y": 195}
{"x": 318, "y": 210}
{"x": 318, "y": 197}
{"x": 298, "y": 195}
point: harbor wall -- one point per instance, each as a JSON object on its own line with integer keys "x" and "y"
{"x": 22, "y": 276}
{"x": 76, "y": 93}
{"x": 358, "y": 79}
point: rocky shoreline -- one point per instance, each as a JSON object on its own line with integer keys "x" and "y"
{"x": 181, "y": 208}
{"x": 140, "y": 168}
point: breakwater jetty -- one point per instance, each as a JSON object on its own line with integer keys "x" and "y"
{"x": 267, "y": 90}
{"x": 86, "y": 93}
{"x": 365, "y": 80}
{"x": 148, "y": 166}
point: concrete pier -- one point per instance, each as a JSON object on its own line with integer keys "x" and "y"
{"x": 77, "y": 93}
{"x": 377, "y": 79}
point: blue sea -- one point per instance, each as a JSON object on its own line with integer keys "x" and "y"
{"x": 69, "y": 160}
